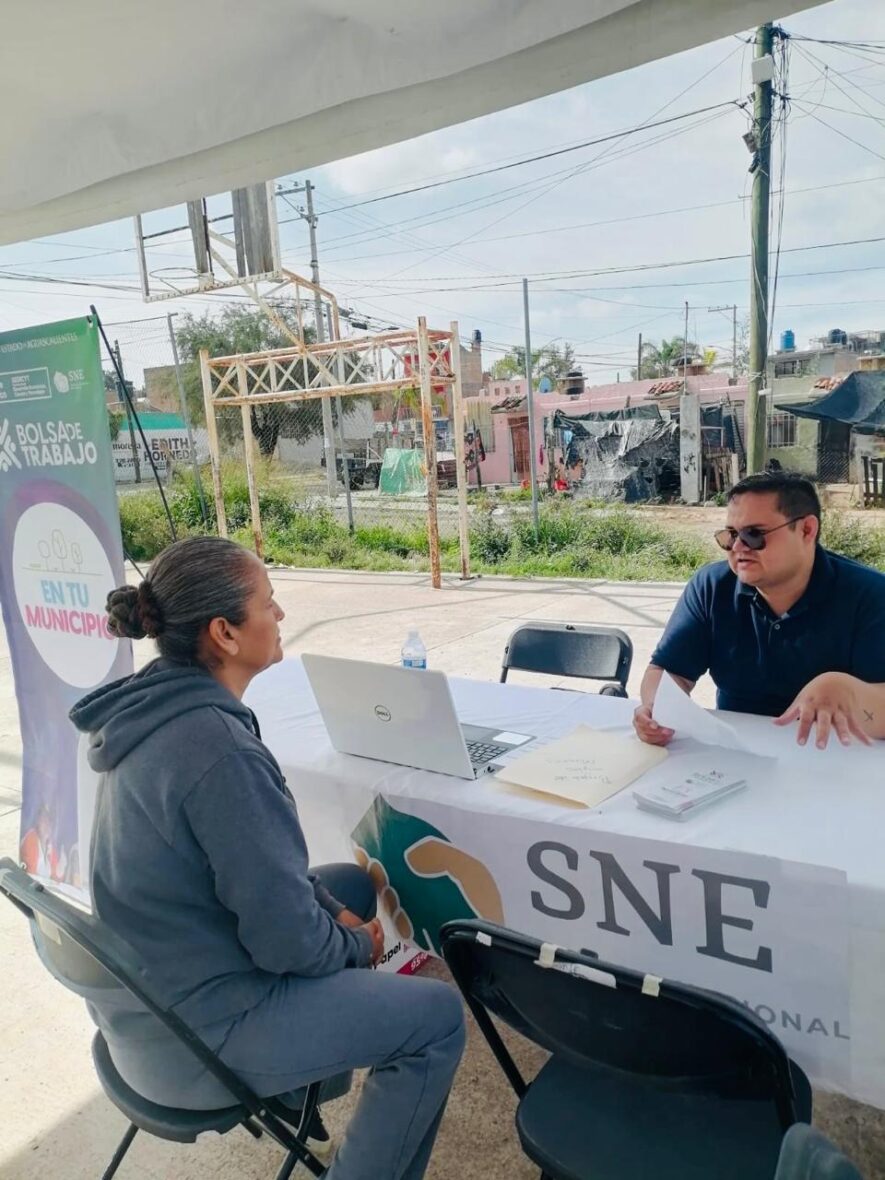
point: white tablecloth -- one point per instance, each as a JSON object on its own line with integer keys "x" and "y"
{"x": 812, "y": 808}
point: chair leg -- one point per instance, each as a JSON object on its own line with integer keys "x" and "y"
{"x": 253, "y": 1128}
{"x": 288, "y": 1167}
{"x": 125, "y": 1144}
{"x": 290, "y": 1163}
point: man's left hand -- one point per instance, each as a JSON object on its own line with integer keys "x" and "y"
{"x": 829, "y": 702}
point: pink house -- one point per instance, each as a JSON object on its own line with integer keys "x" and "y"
{"x": 507, "y": 449}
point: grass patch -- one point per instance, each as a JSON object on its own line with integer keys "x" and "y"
{"x": 854, "y": 538}
{"x": 574, "y": 539}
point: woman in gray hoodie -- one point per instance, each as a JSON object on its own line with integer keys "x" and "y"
{"x": 198, "y": 860}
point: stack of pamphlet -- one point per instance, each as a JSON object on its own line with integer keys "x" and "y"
{"x": 682, "y": 797}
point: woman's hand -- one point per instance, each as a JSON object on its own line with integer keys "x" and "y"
{"x": 374, "y": 929}
{"x": 376, "y": 932}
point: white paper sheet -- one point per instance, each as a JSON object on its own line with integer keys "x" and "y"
{"x": 675, "y": 710}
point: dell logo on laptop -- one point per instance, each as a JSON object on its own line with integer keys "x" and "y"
{"x": 382, "y": 712}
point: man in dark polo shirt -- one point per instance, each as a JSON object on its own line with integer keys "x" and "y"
{"x": 784, "y": 627}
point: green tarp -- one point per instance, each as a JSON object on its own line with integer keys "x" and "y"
{"x": 403, "y": 472}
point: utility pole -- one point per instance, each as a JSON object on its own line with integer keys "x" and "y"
{"x": 133, "y": 442}
{"x": 639, "y": 359}
{"x": 530, "y": 405}
{"x": 756, "y": 413}
{"x": 328, "y": 429}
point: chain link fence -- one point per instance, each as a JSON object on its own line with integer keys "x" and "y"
{"x": 371, "y": 510}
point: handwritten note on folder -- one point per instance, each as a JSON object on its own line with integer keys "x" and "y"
{"x": 585, "y": 767}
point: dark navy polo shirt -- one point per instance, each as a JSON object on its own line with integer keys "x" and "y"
{"x": 758, "y": 661}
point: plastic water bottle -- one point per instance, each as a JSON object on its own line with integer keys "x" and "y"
{"x": 414, "y": 653}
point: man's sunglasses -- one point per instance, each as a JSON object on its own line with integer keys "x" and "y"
{"x": 753, "y": 537}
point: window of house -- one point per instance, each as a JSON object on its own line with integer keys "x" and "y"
{"x": 791, "y": 368}
{"x": 782, "y": 429}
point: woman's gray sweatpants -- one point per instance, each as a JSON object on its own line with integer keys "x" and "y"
{"x": 408, "y": 1032}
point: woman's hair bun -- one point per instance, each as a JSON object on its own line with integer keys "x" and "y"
{"x": 133, "y": 612}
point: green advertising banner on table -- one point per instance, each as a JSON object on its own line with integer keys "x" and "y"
{"x": 60, "y": 554}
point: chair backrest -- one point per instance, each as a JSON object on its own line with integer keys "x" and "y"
{"x": 806, "y": 1154}
{"x": 90, "y": 959}
{"x": 570, "y": 649}
{"x": 594, "y": 1013}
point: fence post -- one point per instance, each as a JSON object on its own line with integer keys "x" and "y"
{"x": 212, "y": 432}
{"x": 429, "y": 450}
{"x": 249, "y": 454}
{"x": 185, "y": 413}
{"x": 459, "y": 426}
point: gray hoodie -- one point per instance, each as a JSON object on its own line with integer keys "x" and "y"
{"x": 198, "y": 858}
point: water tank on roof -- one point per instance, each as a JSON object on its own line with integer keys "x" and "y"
{"x": 477, "y": 336}
{"x": 788, "y": 341}
{"x": 837, "y": 336}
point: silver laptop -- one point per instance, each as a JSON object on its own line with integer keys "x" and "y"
{"x": 401, "y": 715}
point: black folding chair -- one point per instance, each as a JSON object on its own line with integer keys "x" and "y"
{"x": 806, "y": 1154}
{"x": 646, "y": 1079}
{"x": 90, "y": 959}
{"x": 571, "y": 649}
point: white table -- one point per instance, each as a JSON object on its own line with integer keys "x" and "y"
{"x": 819, "y": 814}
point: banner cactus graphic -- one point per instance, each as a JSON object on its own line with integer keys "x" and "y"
{"x": 422, "y": 879}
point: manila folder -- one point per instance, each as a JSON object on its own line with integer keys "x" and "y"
{"x": 586, "y": 766}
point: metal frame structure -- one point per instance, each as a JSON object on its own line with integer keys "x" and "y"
{"x": 363, "y": 366}
{"x": 251, "y": 256}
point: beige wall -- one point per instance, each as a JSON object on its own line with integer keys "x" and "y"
{"x": 471, "y": 371}
{"x": 161, "y": 388}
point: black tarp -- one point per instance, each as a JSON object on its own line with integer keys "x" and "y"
{"x": 859, "y": 402}
{"x": 628, "y": 455}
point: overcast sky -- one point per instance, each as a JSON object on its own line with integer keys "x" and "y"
{"x": 666, "y": 194}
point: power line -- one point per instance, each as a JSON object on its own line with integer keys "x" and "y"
{"x": 538, "y": 195}
{"x": 549, "y": 276}
{"x": 843, "y": 134}
{"x": 539, "y": 186}
{"x": 420, "y": 188}
{"x": 667, "y": 212}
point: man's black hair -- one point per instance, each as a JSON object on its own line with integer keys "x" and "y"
{"x": 796, "y": 494}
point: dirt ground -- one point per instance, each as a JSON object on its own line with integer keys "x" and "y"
{"x": 702, "y": 521}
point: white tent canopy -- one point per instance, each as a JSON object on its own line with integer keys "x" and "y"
{"x": 112, "y": 107}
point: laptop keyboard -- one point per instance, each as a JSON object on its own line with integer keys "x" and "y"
{"x": 481, "y": 752}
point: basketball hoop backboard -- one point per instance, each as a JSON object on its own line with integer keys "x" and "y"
{"x": 238, "y": 243}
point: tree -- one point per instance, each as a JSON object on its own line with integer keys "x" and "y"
{"x": 550, "y": 361}
{"x": 664, "y": 359}
{"x": 241, "y": 329}
{"x": 115, "y": 421}
{"x": 742, "y": 360}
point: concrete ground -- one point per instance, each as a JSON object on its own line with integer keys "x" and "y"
{"x": 56, "y": 1121}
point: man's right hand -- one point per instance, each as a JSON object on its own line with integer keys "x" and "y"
{"x": 648, "y": 730}
{"x": 375, "y": 931}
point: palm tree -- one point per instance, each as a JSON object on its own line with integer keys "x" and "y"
{"x": 664, "y": 359}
